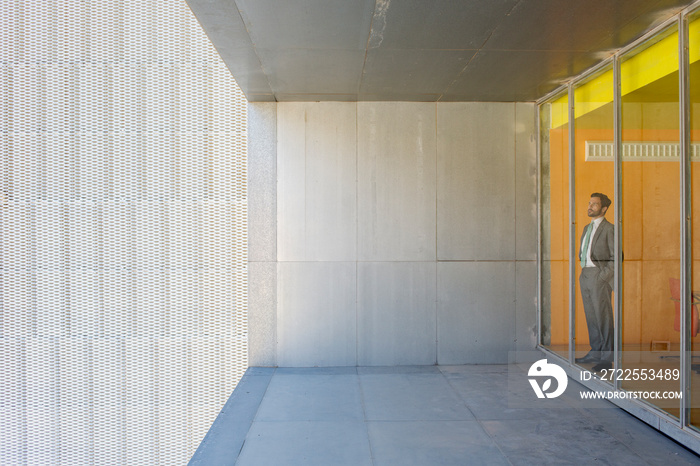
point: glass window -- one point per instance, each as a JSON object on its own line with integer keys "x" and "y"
{"x": 554, "y": 136}
{"x": 651, "y": 214}
{"x": 594, "y": 219}
{"x": 694, "y": 79}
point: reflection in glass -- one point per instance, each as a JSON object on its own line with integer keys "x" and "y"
{"x": 651, "y": 213}
{"x": 554, "y": 134}
{"x": 594, "y": 217}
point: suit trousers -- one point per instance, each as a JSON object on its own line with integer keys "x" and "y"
{"x": 597, "y": 305}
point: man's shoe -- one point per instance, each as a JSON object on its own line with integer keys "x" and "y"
{"x": 602, "y": 365}
{"x": 587, "y": 358}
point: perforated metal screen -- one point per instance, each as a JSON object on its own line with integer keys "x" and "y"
{"x": 123, "y": 222}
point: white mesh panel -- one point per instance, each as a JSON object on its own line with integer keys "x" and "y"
{"x": 123, "y": 229}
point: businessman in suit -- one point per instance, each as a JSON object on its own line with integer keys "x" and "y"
{"x": 597, "y": 273}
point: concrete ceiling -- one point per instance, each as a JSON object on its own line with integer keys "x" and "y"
{"x": 419, "y": 50}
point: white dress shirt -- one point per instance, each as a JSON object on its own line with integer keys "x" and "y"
{"x": 595, "y": 223}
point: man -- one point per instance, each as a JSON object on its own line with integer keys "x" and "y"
{"x": 597, "y": 261}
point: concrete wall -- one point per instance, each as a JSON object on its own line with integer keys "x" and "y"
{"x": 390, "y": 233}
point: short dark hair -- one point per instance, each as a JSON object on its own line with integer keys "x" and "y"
{"x": 604, "y": 200}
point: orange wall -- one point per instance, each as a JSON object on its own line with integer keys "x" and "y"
{"x": 590, "y": 177}
{"x": 651, "y": 233}
{"x": 559, "y": 246}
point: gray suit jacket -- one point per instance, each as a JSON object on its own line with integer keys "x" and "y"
{"x": 602, "y": 250}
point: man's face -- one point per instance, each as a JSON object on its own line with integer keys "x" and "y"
{"x": 595, "y": 208}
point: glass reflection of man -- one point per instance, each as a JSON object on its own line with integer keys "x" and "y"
{"x": 596, "y": 280}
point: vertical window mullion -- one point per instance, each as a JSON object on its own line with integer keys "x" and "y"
{"x": 617, "y": 153}
{"x": 686, "y": 214}
{"x": 572, "y": 227}
{"x": 540, "y": 258}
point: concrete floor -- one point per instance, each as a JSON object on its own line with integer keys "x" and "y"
{"x": 423, "y": 415}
